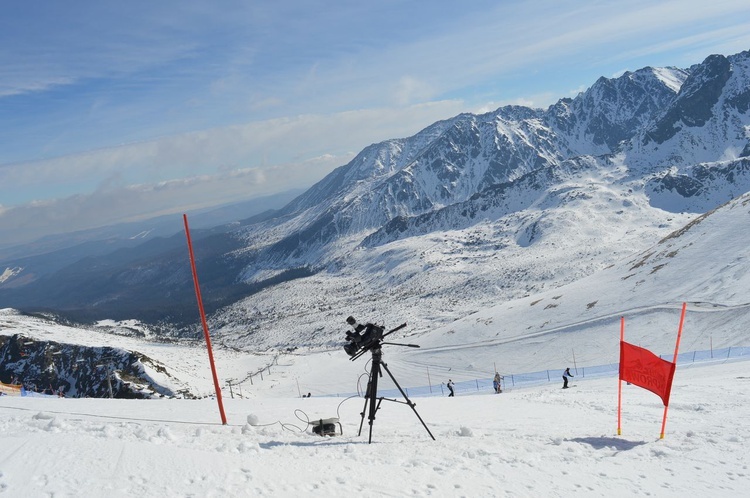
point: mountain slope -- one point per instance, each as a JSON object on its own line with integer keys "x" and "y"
{"x": 453, "y": 161}
{"x": 478, "y": 208}
{"x": 551, "y": 221}
{"x": 706, "y": 264}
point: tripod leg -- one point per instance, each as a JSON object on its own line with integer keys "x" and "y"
{"x": 364, "y": 410}
{"x": 373, "y": 394}
{"x": 408, "y": 401}
{"x": 370, "y": 395}
{"x": 369, "y": 440}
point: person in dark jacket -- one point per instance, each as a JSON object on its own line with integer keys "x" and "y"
{"x": 450, "y": 388}
{"x": 566, "y": 374}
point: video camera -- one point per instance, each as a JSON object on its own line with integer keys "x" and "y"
{"x": 363, "y": 338}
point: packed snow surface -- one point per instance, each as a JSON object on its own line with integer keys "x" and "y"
{"x": 539, "y": 441}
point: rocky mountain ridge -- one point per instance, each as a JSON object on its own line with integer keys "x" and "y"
{"x": 643, "y": 153}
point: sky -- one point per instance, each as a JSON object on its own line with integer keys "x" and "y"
{"x": 121, "y": 112}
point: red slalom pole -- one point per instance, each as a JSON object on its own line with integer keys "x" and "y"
{"x": 619, "y": 380}
{"x": 203, "y": 321}
{"x": 674, "y": 361}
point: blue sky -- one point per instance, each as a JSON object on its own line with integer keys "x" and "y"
{"x": 118, "y": 111}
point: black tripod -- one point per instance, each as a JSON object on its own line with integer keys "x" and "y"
{"x": 372, "y": 390}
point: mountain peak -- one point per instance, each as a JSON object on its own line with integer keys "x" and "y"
{"x": 484, "y": 208}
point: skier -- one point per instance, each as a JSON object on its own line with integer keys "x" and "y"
{"x": 496, "y": 383}
{"x": 450, "y": 388}
{"x": 566, "y": 374}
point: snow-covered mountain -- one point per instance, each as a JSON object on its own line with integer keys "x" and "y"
{"x": 470, "y": 212}
{"x": 705, "y": 263}
{"x": 455, "y": 161}
{"x": 484, "y": 209}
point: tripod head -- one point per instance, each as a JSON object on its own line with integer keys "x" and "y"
{"x": 368, "y": 337}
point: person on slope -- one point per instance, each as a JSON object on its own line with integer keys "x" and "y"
{"x": 497, "y": 383}
{"x": 450, "y": 388}
{"x": 565, "y": 376}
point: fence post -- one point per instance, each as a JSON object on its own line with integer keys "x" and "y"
{"x": 477, "y": 381}
{"x": 583, "y": 371}
{"x": 548, "y": 379}
{"x": 512, "y": 382}
{"x": 729, "y": 351}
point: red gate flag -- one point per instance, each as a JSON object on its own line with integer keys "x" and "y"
{"x": 643, "y": 368}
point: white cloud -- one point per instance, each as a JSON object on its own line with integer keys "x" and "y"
{"x": 411, "y": 90}
{"x": 114, "y": 203}
{"x": 196, "y": 170}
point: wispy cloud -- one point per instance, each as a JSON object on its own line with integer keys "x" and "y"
{"x": 197, "y": 169}
{"x": 114, "y": 203}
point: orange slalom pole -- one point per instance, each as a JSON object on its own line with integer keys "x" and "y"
{"x": 674, "y": 361}
{"x": 203, "y": 321}
{"x": 619, "y": 380}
